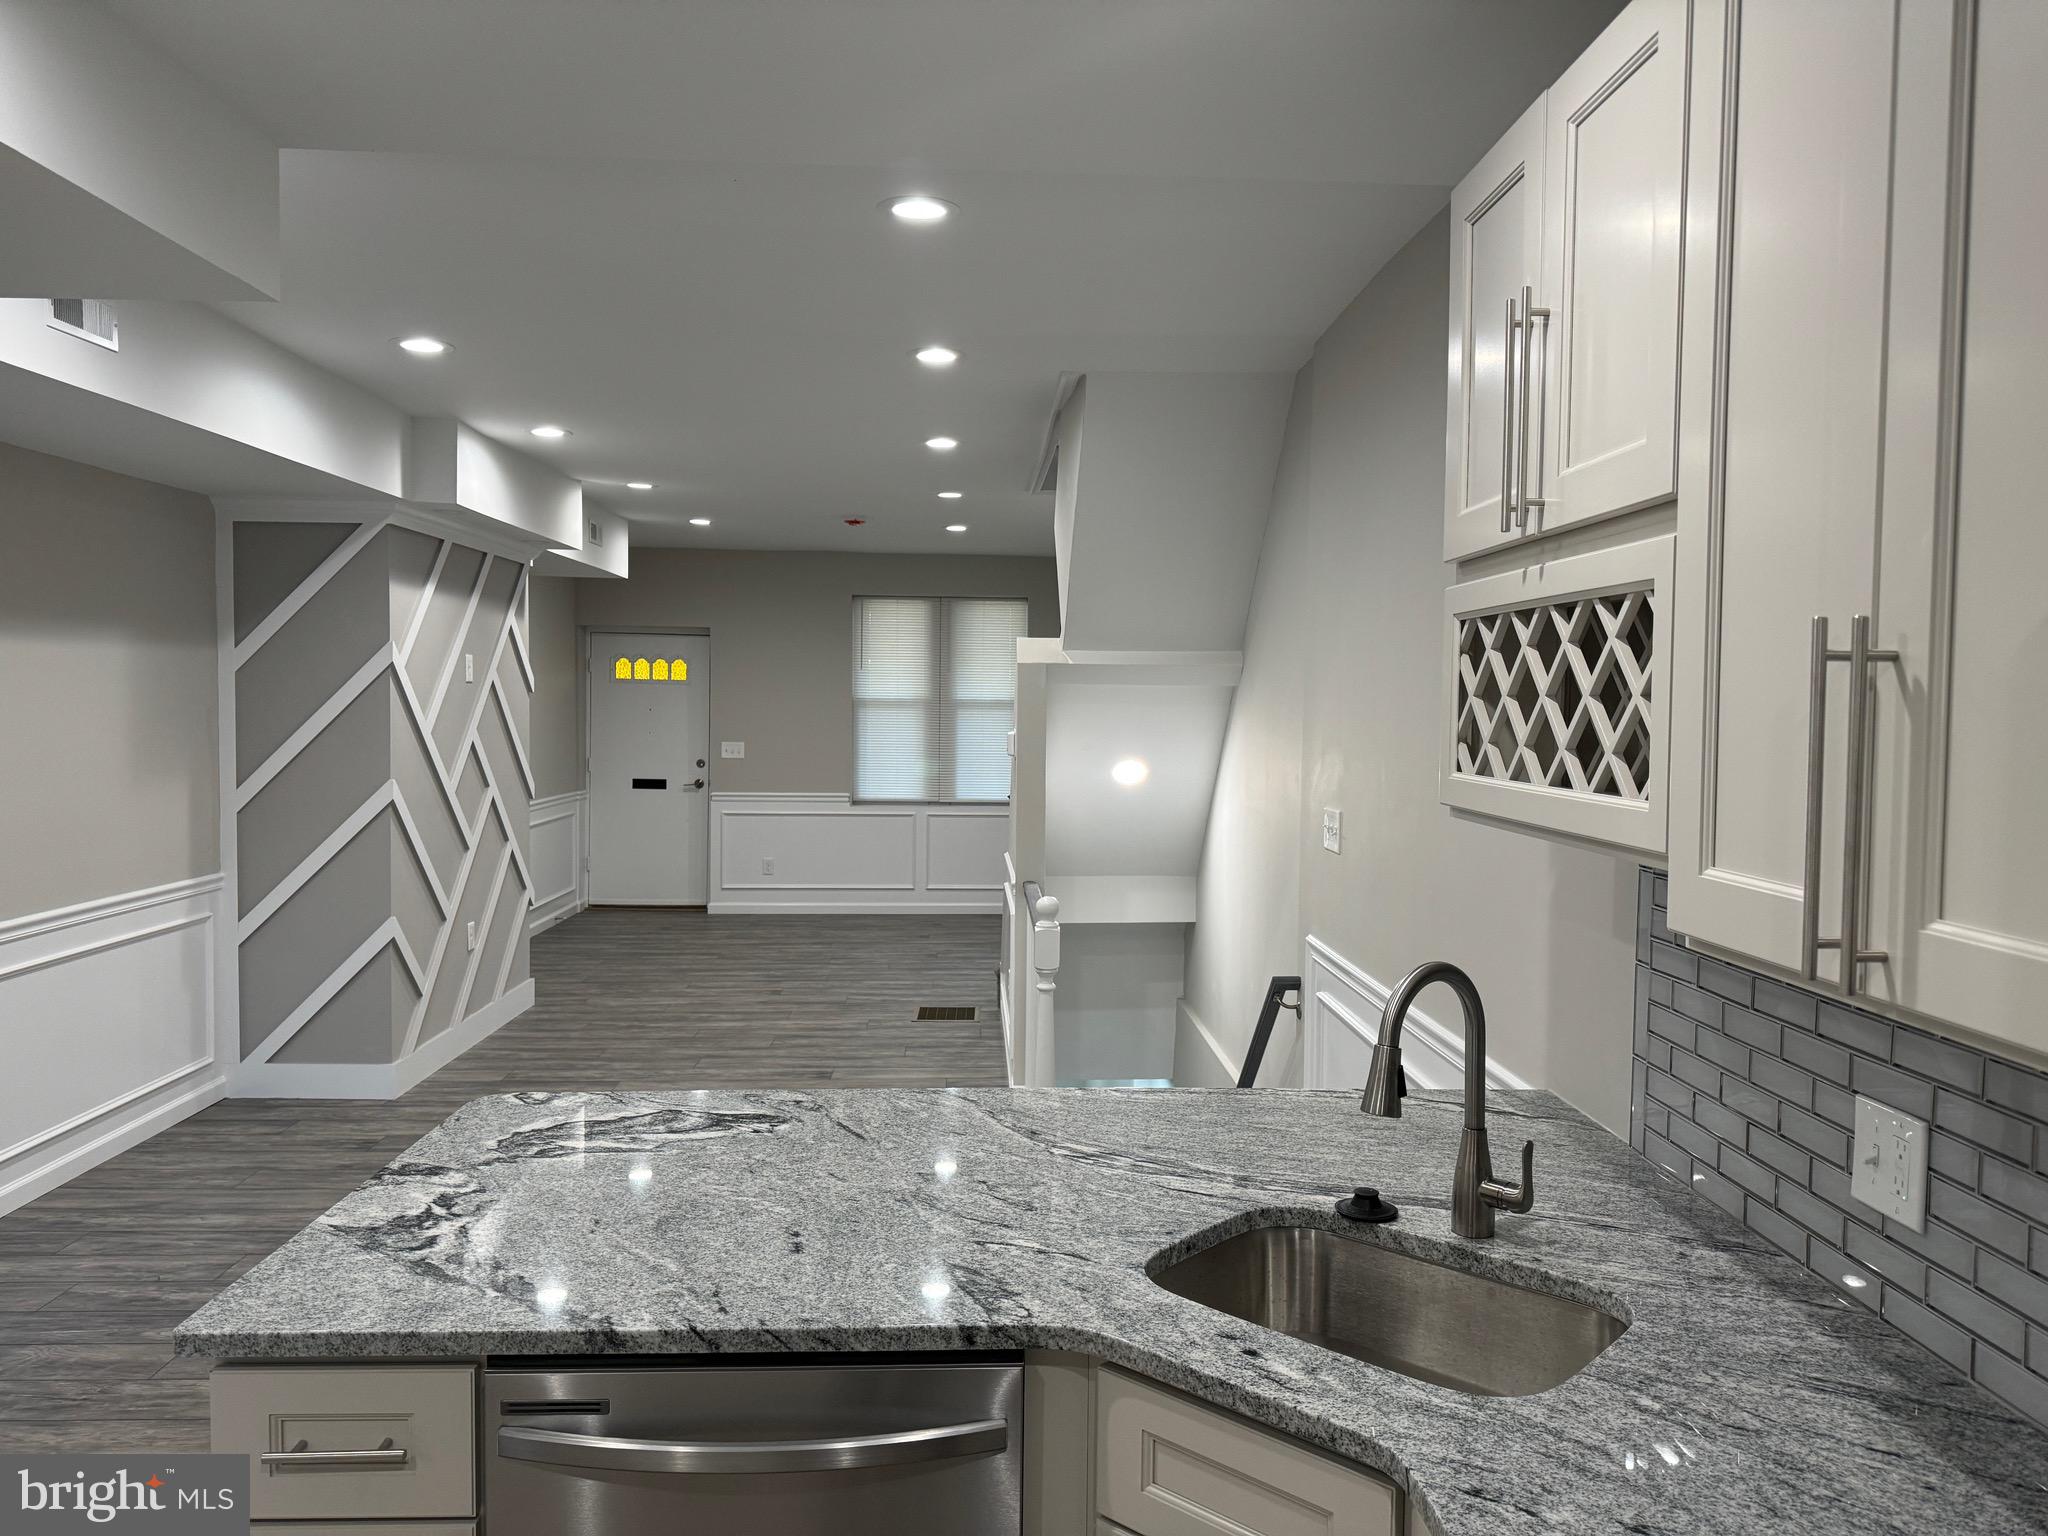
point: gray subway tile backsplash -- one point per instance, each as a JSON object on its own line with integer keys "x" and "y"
{"x": 1744, "y": 1088}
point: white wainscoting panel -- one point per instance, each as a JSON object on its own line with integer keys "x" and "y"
{"x": 560, "y": 833}
{"x": 109, "y": 1028}
{"x": 1343, "y": 1006}
{"x": 964, "y": 849}
{"x": 829, "y": 854}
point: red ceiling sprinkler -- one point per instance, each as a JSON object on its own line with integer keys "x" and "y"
{"x": 855, "y": 522}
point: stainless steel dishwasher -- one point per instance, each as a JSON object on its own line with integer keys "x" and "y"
{"x": 846, "y": 1448}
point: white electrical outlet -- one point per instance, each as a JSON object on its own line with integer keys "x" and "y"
{"x": 767, "y": 866}
{"x": 468, "y": 667}
{"x": 1888, "y": 1163}
{"x": 472, "y": 933}
{"x": 732, "y": 749}
{"x": 1333, "y": 829}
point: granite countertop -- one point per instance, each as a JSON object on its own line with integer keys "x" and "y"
{"x": 1744, "y": 1397}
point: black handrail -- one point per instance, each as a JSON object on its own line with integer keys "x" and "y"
{"x": 1276, "y": 994}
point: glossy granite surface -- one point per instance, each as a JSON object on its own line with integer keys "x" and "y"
{"x": 1744, "y": 1397}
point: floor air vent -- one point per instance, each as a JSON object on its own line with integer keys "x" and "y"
{"x": 929, "y": 1012}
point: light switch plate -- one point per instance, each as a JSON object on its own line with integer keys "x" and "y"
{"x": 1888, "y": 1163}
{"x": 471, "y": 933}
{"x": 468, "y": 667}
{"x": 1333, "y": 829}
{"x": 767, "y": 866}
{"x": 732, "y": 749}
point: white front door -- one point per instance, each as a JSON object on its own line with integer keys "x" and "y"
{"x": 650, "y": 724}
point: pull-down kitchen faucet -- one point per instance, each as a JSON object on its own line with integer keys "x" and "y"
{"x": 1475, "y": 1193}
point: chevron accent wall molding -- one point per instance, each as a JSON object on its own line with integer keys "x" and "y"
{"x": 378, "y": 685}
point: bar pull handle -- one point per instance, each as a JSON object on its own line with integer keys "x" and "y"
{"x": 385, "y": 1455}
{"x": 1856, "y": 810}
{"x": 1531, "y": 313}
{"x": 559, "y": 1448}
{"x": 1818, "y": 657}
{"x": 1507, "y": 424}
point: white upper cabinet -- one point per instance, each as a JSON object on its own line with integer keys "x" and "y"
{"x": 1959, "y": 834}
{"x": 1565, "y": 255}
{"x": 1496, "y": 263}
{"x": 1784, "y": 356}
{"x": 1615, "y": 178}
{"x": 1866, "y": 374}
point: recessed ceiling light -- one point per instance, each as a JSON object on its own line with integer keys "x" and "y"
{"x": 942, "y": 444}
{"x": 639, "y": 485}
{"x": 920, "y": 208}
{"x": 549, "y": 430}
{"x": 949, "y": 495}
{"x": 937, "y": 357}
{"x": 700, "y": 522}
{"x": 956, "y": 527}
{"x": 1131, "y": 771}
{"x": 423, "y": 346}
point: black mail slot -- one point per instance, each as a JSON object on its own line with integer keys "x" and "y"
{"x": 650, "y": 783}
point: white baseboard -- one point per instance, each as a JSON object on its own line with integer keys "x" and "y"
{"x": 1198, "y": 1060}
{"x": 541, "y": 924}
{"x": 379, "y": 1080}
{"x": 109, "y": 1023}
{"x": 121, "y": 1133}
{"x": 991, "y": 908}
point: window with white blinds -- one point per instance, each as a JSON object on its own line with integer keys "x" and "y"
{"x": 934, "y": 685}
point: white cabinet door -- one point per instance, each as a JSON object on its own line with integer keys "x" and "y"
{"x": 1783, "y": 351}
{"x": 1960, "y": 822}
{"x": 1166, "y": 1466}
{"x": 1496, "y": 253}
{"x": 1614, "y": 185}
{"x": 650, "y": 728}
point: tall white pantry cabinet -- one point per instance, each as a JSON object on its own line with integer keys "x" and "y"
{"x": 1844, "y": 683}
{"x": 1860, "y": 719}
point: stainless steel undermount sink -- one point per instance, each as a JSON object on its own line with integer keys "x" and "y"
{"x": 1391, "y": 1309}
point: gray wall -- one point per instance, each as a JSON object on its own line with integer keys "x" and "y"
{"x": 1338, "y": 708}
{"x": 782, "y": 641}
{"x": 557, "y": 743}
{"x": 108, "y": 733}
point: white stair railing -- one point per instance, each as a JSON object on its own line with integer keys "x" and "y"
{"x": 1029, "y": 978}
{"x": 1041, "y": 927}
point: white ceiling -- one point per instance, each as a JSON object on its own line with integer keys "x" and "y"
{"x": 656, "y": 221}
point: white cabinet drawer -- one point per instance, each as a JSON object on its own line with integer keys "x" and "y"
{"x": 426, "y": 1412}
{"x": 1167, "y": 1467}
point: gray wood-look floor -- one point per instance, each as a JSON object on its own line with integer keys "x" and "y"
{"x": 94, "y": 1275}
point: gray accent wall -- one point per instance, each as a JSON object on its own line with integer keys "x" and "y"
{"x": 781, "y": 626}
{"x": 1744, "y": 1089}
{"x": 108, "y": 735}
{"x": 353, "y": 950}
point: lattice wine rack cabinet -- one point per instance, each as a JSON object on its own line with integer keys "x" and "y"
{"x": 1555, "y": 694}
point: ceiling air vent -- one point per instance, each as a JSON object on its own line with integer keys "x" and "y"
{"x": 92, "y": 319}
